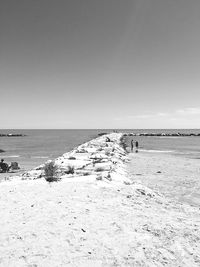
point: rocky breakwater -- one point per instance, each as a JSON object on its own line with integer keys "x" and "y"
{"x": 102, "y": 158}
{"x": 163, "y": 134}
{"x": 12, "y": 135}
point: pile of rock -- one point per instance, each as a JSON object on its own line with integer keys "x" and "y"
{"x": 102, "y": 158}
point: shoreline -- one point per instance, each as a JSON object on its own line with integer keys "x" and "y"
{"x": 104, "y": 218}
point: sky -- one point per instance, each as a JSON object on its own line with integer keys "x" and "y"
{"x": 68, "y": 64}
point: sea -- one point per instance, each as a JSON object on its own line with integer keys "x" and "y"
{"x": 38, "y": 145}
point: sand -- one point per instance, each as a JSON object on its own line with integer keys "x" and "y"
{"x": 5, "y": 176}
{"x": 175, "y": 176}
{"x": 85, "y": 221}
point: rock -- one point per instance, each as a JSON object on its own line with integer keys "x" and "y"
{"x": 32, "y": 175}
{"x": 99, "y": 177}
{"x": 102, "y": 166}
{"x": 100, "y": 134}
{"x": 71, "y": 158}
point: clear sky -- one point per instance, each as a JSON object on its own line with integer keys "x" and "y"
{"x": 100, "y": 63}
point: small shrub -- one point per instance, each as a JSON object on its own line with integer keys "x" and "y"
{"x": 70, "y": 170}
{"x": 50, "y": 174}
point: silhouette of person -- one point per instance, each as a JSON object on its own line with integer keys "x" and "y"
{"x": 132, "y": 145}
{"x": 136, "y": 146}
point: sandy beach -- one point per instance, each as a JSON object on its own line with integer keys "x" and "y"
{"x": 129, "y": 210}
{"x": 176, "y": 177}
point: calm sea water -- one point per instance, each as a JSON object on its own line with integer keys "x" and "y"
{"x": 40, "y": 145}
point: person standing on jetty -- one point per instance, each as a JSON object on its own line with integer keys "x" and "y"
{"x": 136, "y": 146}
{"x": 132, "y": 145}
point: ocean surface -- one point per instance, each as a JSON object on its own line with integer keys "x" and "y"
{"x": 38, "y": 146}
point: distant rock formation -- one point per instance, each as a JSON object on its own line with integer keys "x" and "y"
{"x": 12, "y": 135}
{"x": 164, "y": 134}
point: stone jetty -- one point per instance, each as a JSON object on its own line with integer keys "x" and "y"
{"x": 163, "y": 134}
{"x": 12, "y": 135}
{"x": 102, "y": 158}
